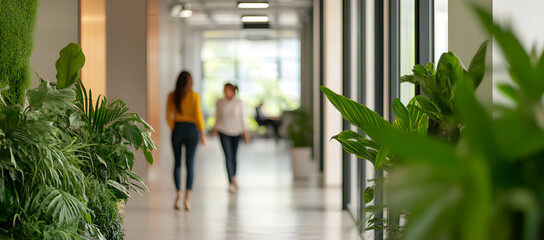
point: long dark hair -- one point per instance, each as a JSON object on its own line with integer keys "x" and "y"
{"x": 183, "y": 85}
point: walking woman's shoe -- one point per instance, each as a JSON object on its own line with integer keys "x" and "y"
{"x": 187, "y": 204}
{"x": 178, "y": 198}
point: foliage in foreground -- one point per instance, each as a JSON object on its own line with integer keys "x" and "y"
{"x": 434, "y": 114}
{"x": 488, "y": 184}
{"x": 65, "y": 161}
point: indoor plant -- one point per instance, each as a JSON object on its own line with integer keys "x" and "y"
{"x": 432, "y": 114}
{"x": 300, "y": 135}
{"x": 487, "y": 184}
{"x": 65, "y": 161}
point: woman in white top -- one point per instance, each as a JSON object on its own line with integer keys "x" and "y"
{"x": 231, "y": 124}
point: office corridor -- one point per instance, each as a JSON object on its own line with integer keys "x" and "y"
{"x": 268, "y": 204}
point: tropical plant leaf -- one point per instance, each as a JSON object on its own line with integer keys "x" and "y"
{"x": 64, "y": 207}
{"x": 476, "y": 68}
{"x": 428, "y": 107}
{"x": 439, "y": 154}
{"x": 120, "y": 191}
{"x": 368, "y": 195}
{"x": 449, "y": 70}
{"x": 356, "y": 113}
{"x": 478, "y": 124}
{"x": 358, "y": 145}
{"x": 148, "y": 156}
{"x": 418, "y": 119}
{"x": 381, "y": 157}
{"x": 400, "y": 110}
{"x": 49, "y": 97}
{"x": 132, "y": 134}
{"x": 70, "y": 61}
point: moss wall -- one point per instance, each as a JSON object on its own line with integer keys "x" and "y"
{"x": 17, "y": 20}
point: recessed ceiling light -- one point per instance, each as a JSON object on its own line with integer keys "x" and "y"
{"x": 253, "y": 5}
{"x": 255, "y": 19}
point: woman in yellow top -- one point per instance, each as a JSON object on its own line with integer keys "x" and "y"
{"x": 186, "y": 122}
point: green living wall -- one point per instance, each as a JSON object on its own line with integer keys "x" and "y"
{"x": 17, "y": 20}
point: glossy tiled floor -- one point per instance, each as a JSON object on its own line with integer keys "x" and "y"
{"x": 268, "y": 204}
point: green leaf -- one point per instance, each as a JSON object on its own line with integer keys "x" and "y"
{"x": 132, "y": 134}
{"x": 88, "y": 218}
{"x": 355, "y": 143}
{"x": 49, "y": 97}
{"x": 509, "y": 91}
{"x": 356, "y": 113}
{"x": 148, "y": 156}
{"x": 381, "y": 157}
{"x": 476, "y": 68}
{"x": 408, "y": 78}
{"x": 428, "y": 107}
{"x": 368, "y": 195}
{"x": 449, "y": 71}
{"x": 71, "y": 60}
{"x": 437, "y": 154}
{"x": 478, "y": 125}
{"x": 12, "y": 158}
{"x": 418, "y": 119}
{"x": 120, "y": 191}
{"x": 76, "y": 121}
{"x": 400, "y": 110}
{"x": 64, "y": 206}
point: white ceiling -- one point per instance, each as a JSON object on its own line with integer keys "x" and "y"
{"x": 224, "y": 14}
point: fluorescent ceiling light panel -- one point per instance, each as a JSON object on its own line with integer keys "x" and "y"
{"x": 255, "y": 19}
{"x": 185, "y": 13}
{"x": 253, "y": 5}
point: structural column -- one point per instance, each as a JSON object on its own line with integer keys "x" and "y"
{"x": 332, "y": 78}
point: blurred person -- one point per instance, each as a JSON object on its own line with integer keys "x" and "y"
{"x": 184, "y": 116}
{"x": 232, "y": 125}
{"x": 263, "y": 120}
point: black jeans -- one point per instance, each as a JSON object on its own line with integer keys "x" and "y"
{"x": 184, "y": 134}
{"x": 230, "y": 147}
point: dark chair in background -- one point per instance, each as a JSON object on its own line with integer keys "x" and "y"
{"x": 268, "y": 122}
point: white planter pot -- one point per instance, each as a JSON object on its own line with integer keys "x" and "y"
{"x": 301, "y": 158}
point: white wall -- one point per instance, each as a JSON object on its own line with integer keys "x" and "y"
{"x": 332, "y": 57}
{"x": 52, "y": 33}
{"x": 525, "y": 17}
{"x": 465, "y": 34}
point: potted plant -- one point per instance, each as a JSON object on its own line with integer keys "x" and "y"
{"x": 300, "y": 135}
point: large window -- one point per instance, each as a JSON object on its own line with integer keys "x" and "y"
{"x": 440, "y": 28}
{"x": 266, "y": 68}
{"x": 407, "y": 46}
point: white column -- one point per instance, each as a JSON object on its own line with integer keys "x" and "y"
{"x": 332, "y": 56}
